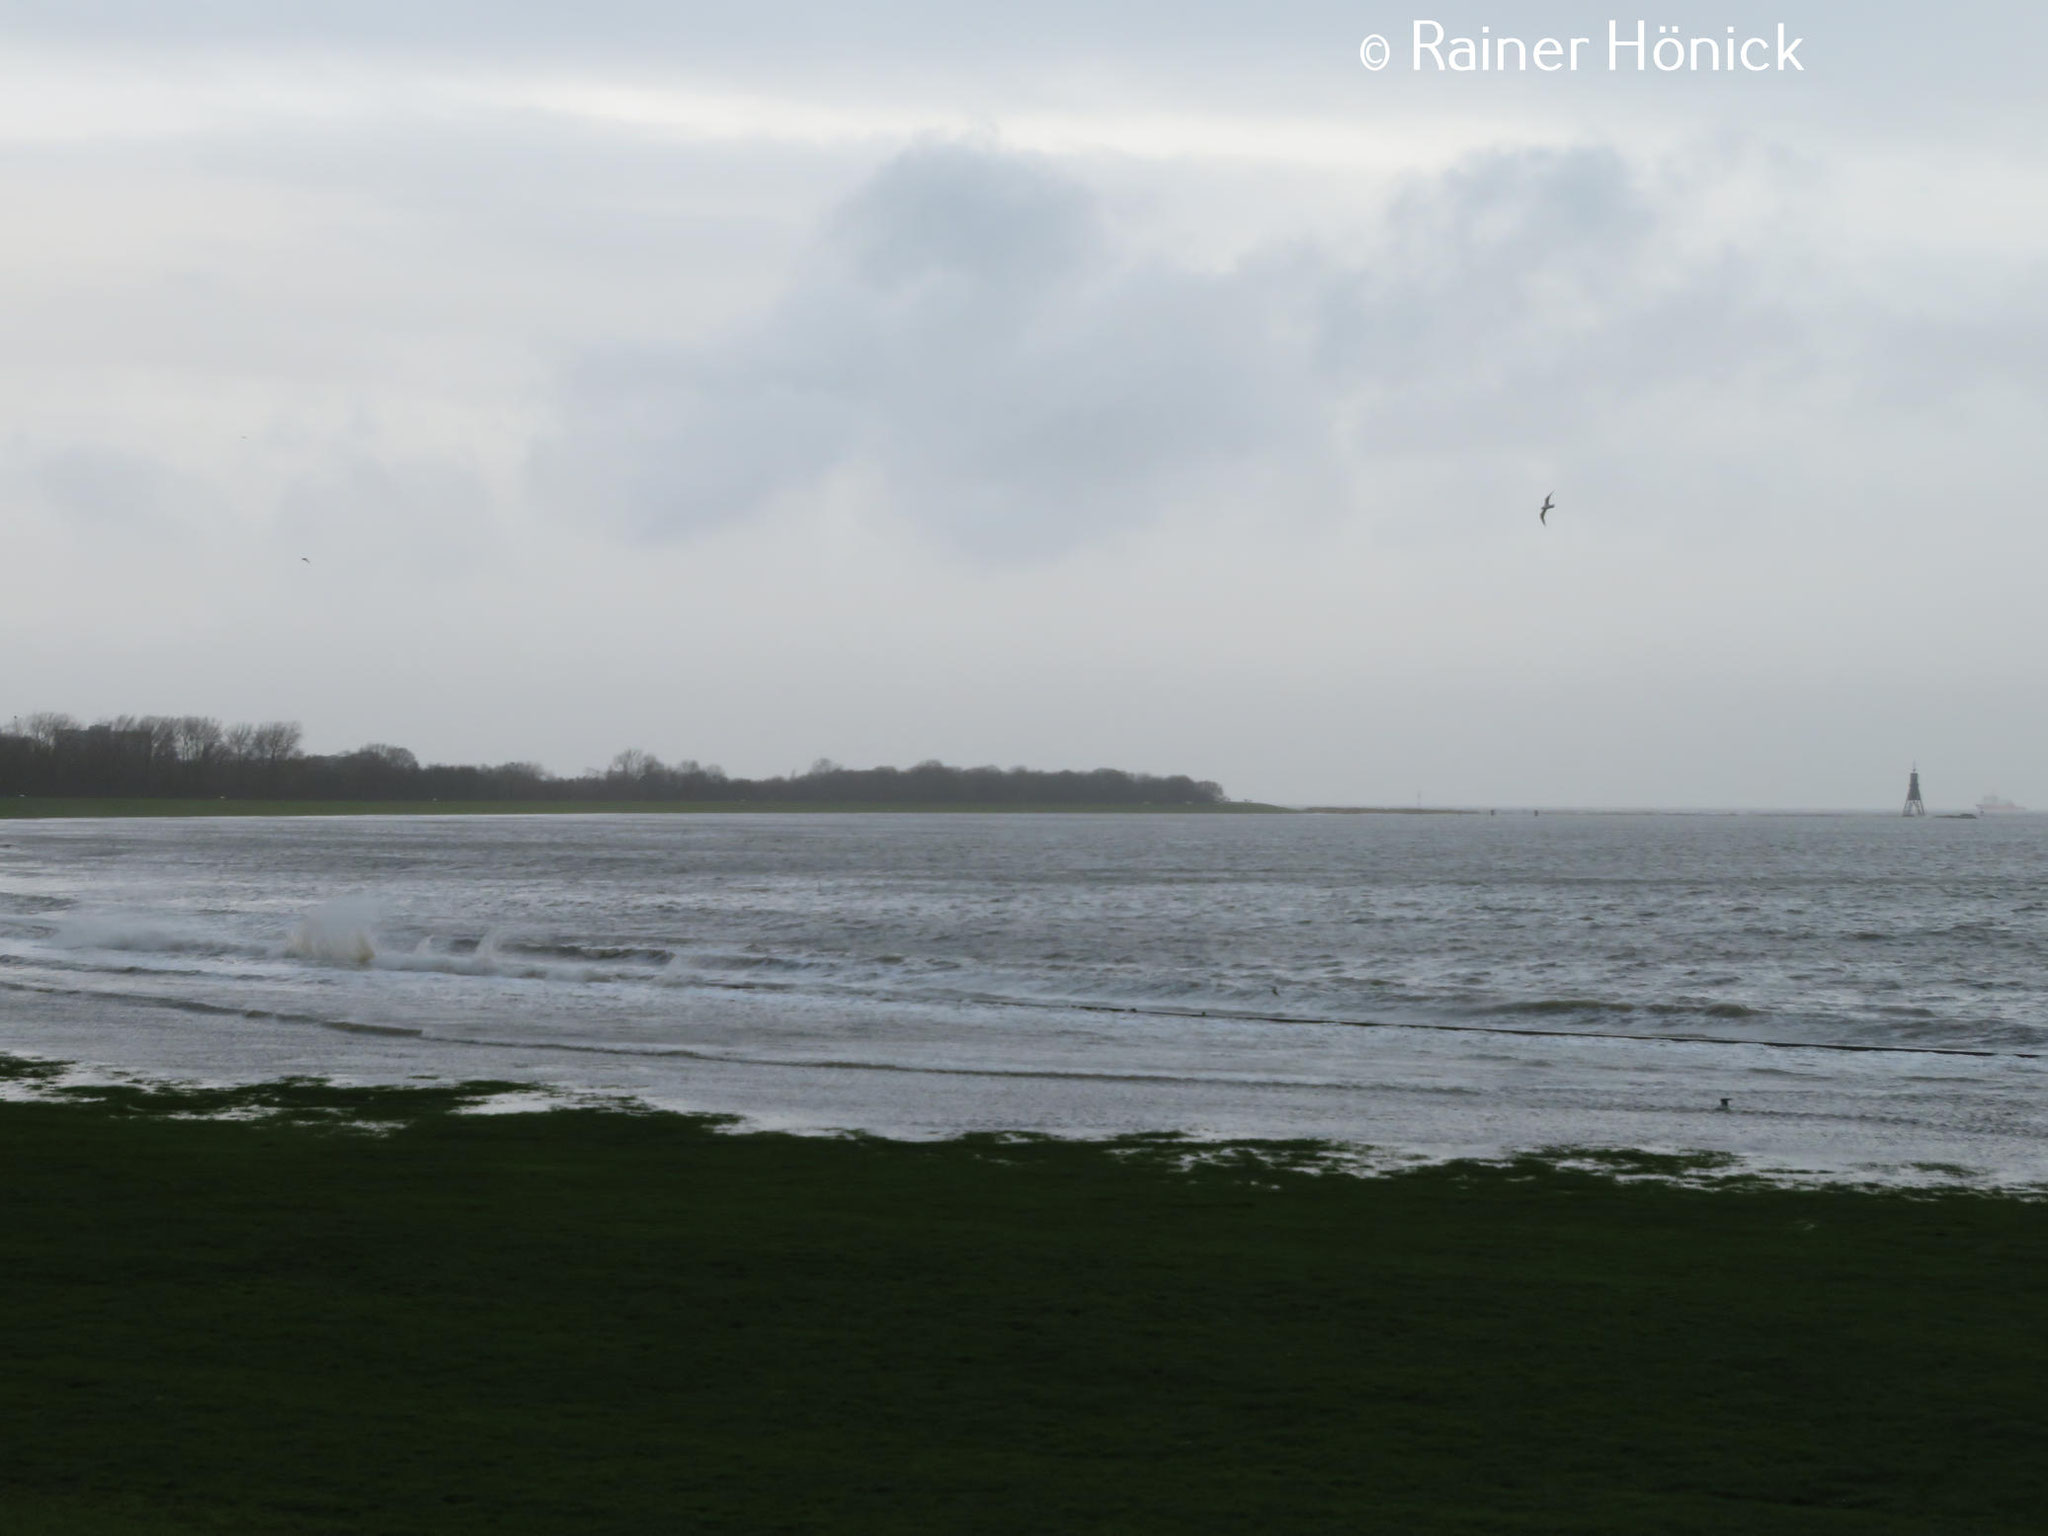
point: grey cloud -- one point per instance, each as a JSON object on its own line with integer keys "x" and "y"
{"x": 1527, "y": 297}
{"x": 105, "y": 488}
{"x": 339, "y": 500}
{"x": 972, "y": 345}
{"x": 968, "y": 338}
{"x": 352, "y": 505}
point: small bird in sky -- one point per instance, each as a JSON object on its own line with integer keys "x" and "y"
{"x": 305, "y": 560}
{"x": 1543, "y": 513}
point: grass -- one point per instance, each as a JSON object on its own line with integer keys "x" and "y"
{"x": 23, "y": 807}
{"x": 598, "y": 1321}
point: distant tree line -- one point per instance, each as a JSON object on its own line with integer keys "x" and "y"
{"x": 191, "y": 757}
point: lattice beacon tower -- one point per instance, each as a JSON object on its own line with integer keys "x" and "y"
{"x": 1914, "y": 805}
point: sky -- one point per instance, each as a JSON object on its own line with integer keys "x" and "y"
{"x": 1146, "y": 385}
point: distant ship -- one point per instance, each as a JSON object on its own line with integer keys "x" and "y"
{"x": 1995, "y": 805}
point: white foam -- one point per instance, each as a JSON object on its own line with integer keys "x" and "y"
{"x": 338, "y": 932}
{"x": 142, "y": 933}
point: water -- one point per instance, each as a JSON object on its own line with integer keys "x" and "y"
{"x": 1870, "y": 994}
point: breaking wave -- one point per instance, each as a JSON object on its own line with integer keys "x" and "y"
{"x": 338, "y": 933}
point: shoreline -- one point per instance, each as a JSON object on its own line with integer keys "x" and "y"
{"x": 45, "y": 808}
{"x": 368, "y": 1309}
{"x": 87, "y": 807}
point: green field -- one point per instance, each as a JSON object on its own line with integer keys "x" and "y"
{"x": 30, "y": 806}
{"x": 587, "y": 1321}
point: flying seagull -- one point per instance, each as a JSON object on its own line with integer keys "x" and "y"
{"x": 1543, "y": 514}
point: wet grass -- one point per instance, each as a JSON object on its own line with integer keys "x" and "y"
{"x": 598, "y": 1321}
{"x": 304, "y": 1100}
{"x": 30, "y": 807}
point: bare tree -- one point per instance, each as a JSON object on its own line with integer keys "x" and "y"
{"x": 163, "y": 737}
{"x": 400, "y": 758}
{"x": 44, "y": 727}
{"x": 277, "y": 741}
{"x": 200, "y": 740}
{"x": 633, "y": 763}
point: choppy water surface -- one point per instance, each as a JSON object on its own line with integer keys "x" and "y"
{"x": 1871, "y": 994}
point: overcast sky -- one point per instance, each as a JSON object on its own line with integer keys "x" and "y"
{"x": 1035, "y": 385}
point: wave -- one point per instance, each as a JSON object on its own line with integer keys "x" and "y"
{"x": 344, "y": 934}
{"x": 745, "y": 962}
{"x": 1596, "y": 1005}
{"x": 118, "y": 933}
{"x": 23, "y": 904}
{"x": 561, "y": 950}
{"x": 349, "y": 934}
{"x": 337, "y": 933}
{"x": 1549, "y": 1005}
{"x": 217, "y": 1010}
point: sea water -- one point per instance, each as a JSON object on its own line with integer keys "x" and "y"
{"x": 1868, "y": 994}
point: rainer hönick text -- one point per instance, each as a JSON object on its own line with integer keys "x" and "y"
{"x": 1626, "y": 47}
